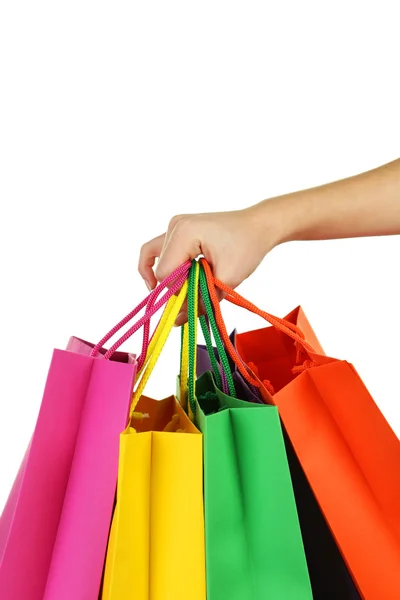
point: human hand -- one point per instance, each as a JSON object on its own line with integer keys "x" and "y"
{"x": 234, "y": 244}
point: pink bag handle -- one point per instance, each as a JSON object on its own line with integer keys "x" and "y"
{"x": 146, "y": 317}
{"x": 177, "y": 277}
{"x": 175, "y": 287}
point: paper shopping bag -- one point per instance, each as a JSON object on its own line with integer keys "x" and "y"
{"x": 159, "y": 518}
{"x": 156, "y": 548}
{"x": 349, "y": 453}
{"x": 254, "y": 547}
{"x": 329, "y": 575}
{"x": 253, "y": 541}
{"x": 68, "y": 475}
{"x": 55, "y": 526}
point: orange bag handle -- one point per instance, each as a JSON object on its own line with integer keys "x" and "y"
{"x": 285, "y": 327}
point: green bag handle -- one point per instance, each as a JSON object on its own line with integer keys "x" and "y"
{"x": 189, "y": 338}
{"x": 210, "y": 350}
{"x": 217, "y": 337}
{"x": 192, "y": 302}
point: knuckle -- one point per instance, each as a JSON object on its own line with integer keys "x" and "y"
{"x": 176, "y": 220}
{"x": 185, "y": 226}
{"x": 159, "y": 272}
{"x": 145, "y": 246}
{"x": 143, "y": 252}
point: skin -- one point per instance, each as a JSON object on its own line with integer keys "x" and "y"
{"x": 236, "y": 242}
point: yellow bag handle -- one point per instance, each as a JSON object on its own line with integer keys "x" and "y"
{"x": 184, "y": 366}
{"x": 168, "y": 323}
{"x": 157, "y": 333}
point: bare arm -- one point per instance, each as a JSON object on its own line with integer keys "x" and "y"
{"x": 235, "y": 242}
{"x": 363, "y": 205}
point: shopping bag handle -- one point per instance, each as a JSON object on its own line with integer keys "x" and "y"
{"x": 220, "y": 376}
{"x": 219, "y": 373}
{"x": 174, "y": 288}
{"x": 175, "y": 305}
{"x": 175, "y": 279}
{"x": 193, "y": 311}
{"x": 146, "y": 317}
{"x": 226, "y": 370}
{"x": 155, "y": 337}
{"x": 232, "y": 296}
{"x": 197, "y": 281}
{"x": 224, "y": 379}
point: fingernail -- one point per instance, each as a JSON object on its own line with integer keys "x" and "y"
{"x": 180, "y": 319}
{"x": 148, "y": 285}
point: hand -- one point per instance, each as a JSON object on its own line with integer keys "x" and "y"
{"x": 234, "y": 244}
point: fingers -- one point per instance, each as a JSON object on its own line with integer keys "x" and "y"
{"x": 166, "y": 247}
{"x": 180, "y": 245}
{"x": 182, "y": 317}
{"x": 148, "y": 254}
{"x": 227, "y": 240}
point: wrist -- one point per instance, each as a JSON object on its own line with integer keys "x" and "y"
{"x": 275, "y": 221}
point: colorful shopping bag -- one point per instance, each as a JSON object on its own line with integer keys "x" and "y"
{"x": 158, "y": 522}
{"x": 204, "y": 362}
{"x": 55, "y": 525}
{"x": 85, "y": 404}
{"x": 244, "y": 389}
{"x": 253, "y": 541}
{"x": 329, "y": 575}
{"x": 349, "y": 453}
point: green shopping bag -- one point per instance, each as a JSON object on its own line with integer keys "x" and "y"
{"x": 254, "y": 549}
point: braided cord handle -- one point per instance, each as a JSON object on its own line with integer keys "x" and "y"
{"x": 184, "y": 358}
{"x": 184, "y": 366}
{"x": 193, "y": 307}
{"x": 294, "y": 332}
{"x": 156, "y": 335}
{"x": 175, "y": 287}
{"x": 220, "y": 346}
{"x": 210, "y": 350}
{"x": 146, "y": 317}
{"x": 159, "y": 345}
{"x": 150, "y": 299}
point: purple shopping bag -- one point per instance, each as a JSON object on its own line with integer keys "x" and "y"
{"x": 243, "y": 389}
{"x": 55, "y": 526}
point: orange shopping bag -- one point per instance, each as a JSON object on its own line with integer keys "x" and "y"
{"x": 348, "y": 451}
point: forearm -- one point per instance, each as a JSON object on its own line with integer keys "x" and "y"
{"x": 364, "y": 205}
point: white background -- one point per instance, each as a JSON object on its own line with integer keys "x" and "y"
{"x": 114, "y": 116}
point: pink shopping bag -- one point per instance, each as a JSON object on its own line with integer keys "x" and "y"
{"x": 83, "y": 410}
{"x": 55, "y": 525}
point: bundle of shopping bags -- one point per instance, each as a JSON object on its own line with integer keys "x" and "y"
{"x": 270, "y": 474}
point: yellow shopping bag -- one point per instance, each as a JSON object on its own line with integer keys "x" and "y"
{"x": 156, "y": 547}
